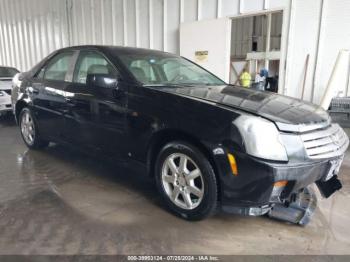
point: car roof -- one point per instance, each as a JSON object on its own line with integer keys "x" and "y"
{"x": 116, "y": 49}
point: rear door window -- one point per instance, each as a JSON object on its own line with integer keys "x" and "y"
{"x": 57, "y": 67}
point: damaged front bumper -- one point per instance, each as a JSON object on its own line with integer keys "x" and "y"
{"x": 299, "y": 211}
{"x": 303, "y": 205}
{"x": 284, "y": 190}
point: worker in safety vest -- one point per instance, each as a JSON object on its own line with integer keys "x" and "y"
{"x": 245, "y": 78}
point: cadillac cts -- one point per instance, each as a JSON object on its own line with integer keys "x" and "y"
{"x": 209, "y": 145}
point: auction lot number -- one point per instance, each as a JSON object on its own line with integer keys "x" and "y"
{"x": 172, "y": 258}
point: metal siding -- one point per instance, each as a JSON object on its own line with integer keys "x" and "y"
{"x": 335, "y": 35}
{"x": 273, "y": 4}
{"x": 143, "y": 32}
{"x": 252, "y": 6}
{"x": 130, "y": 13}
{"x": 171, "y": 25}
{"x": 229, "y": 8}
{"x": 208, "y": 9}
{"x": 157, "y": 35}
{"x": 117, "y": 26}
{"x": 31, "y": 29}
{"x": 190, "y": 10}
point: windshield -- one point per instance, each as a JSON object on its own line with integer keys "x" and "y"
{"x": 7, "y": 72}
{"x": 166, "y": 69}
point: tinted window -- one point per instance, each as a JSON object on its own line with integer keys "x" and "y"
{"x": 7, "y": 72}
{"x": 58, "y": 67}
{"x": 91, "y": 62}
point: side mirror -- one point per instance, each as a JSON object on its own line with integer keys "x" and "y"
{"x": 101, "y": 80}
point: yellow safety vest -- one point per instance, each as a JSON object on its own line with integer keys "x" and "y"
{"x": 245, "y": 79}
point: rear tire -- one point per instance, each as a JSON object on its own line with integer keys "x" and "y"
{"x": 186, "y": 181}
{"x": 29, "y": 130}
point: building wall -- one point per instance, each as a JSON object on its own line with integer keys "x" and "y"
{"x": 303, "y": 41}
{"x": 31, "y": 29}
{"x": 334, "y": 36}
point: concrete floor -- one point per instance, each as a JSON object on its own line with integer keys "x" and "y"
{"x": 58, "y": 201}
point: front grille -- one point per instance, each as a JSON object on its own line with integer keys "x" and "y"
{"x": 325, "y": 143}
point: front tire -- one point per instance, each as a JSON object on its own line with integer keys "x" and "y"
{"x": 29, "y": 130}
{"x": 186, "y": 181}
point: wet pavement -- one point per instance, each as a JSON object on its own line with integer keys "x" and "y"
{"x": 58, "y": 201}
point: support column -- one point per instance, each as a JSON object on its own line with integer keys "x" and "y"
{"x": 268, "y": 40}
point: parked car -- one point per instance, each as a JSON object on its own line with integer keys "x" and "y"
{"x": 207, "y": 144}
{"x": 6, "y": 75}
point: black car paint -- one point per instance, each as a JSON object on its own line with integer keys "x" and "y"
{"x": 275, "y": 107}
{"x": 135, "y": 124}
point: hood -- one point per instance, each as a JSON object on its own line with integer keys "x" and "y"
{"x": 5, "y": 83}
{"x": 288, "y": 113}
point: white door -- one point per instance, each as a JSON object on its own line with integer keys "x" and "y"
{"x": 208, "y": 43}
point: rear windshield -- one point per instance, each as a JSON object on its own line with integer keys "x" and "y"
{"x": 8, "y": 72}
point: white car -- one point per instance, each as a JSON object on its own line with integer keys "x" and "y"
{"x": 6, "y": 75}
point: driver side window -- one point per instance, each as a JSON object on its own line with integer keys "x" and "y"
{"x": 90, "y": 62}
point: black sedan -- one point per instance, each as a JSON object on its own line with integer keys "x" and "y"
{"x": 207, "y": 144}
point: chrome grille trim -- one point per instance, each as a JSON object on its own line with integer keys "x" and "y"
{"x": 326, "y": 143}
{"x": 301, "y": 128}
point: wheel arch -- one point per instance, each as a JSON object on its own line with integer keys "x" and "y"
{"x": 161, "y": 138}
{"x": 18, "y": 108}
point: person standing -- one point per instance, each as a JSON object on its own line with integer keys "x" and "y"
{"x": 245, "y": 78}
{"x": 261, "y": 80}
{"x": 265, "y": 74}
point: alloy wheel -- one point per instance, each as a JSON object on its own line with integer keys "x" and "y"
{"x": 182, "y": 181}
{"x": 27, "y": 128}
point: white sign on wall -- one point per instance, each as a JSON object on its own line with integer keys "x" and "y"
{"x": 208, "y": 43}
